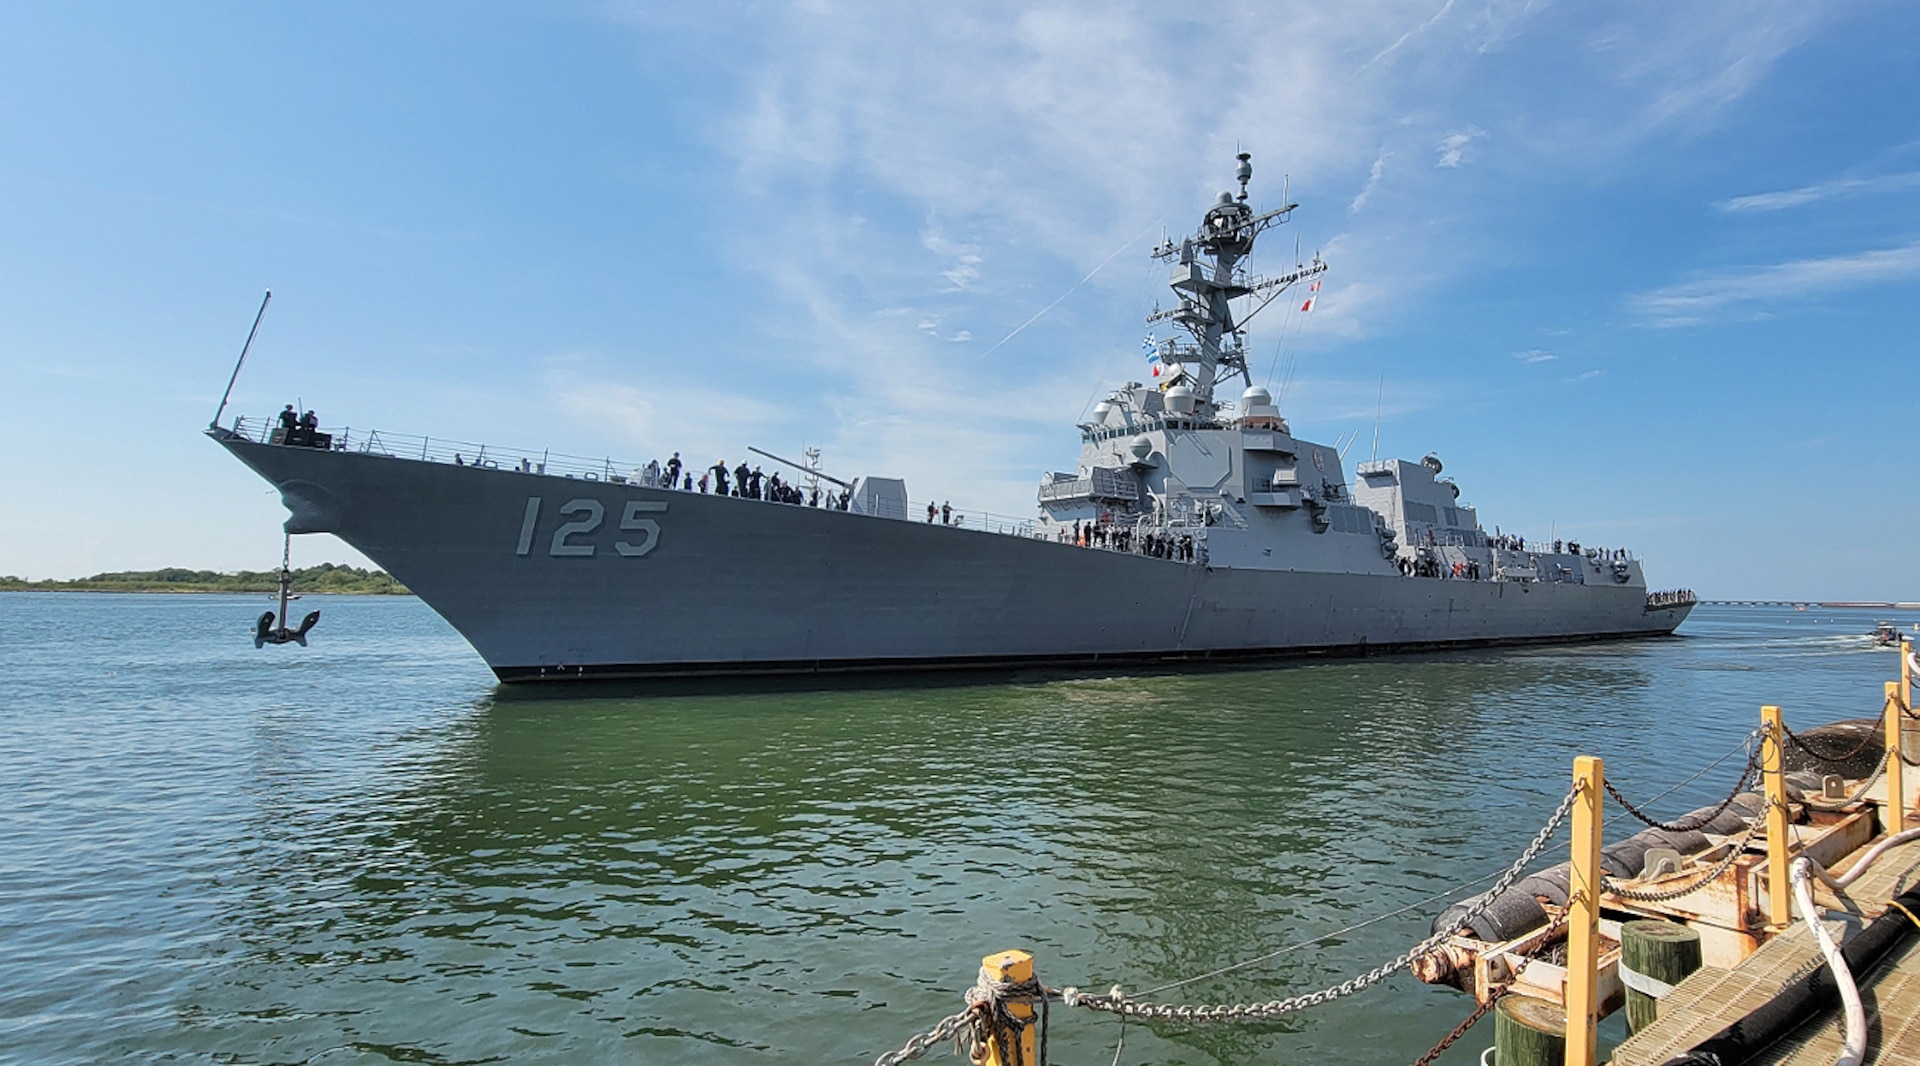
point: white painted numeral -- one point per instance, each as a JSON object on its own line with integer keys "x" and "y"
{"x": 526, "y": 525}
{"x": 649, "y": 529}
{"x": 587, "y": 515}
{"x": 594, "y": 514}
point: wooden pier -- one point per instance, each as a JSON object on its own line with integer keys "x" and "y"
{"x": 1734, "y": 903}
{"x": 1715, "y": 997}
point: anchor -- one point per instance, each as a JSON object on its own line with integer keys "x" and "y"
{"x": 266, "y": 632}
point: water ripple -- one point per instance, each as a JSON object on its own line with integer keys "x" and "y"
{"x": 361, "y": 852}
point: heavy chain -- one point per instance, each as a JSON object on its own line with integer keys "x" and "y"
{"x": 986, "y": 1020}
{"x": 1688, "y": 826}
{"x": 1480, "y": 1010}
{"x": 1116, "y": 1002}
{"x": 1802, "y": 743}
{"x": 949, "y": 1029}
{"x": 1663, "y": 894}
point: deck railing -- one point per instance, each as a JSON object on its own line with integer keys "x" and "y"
{"x": 585, "y": 468}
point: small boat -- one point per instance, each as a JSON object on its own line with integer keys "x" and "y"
{"x": 1886, "y": 634}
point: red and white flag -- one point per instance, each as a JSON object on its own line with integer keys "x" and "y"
{"x": 1311, "y": 289}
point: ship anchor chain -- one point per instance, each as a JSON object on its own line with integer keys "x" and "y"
{"x": 272, "y": 630}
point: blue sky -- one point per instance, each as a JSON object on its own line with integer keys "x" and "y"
{"x": 1641, "y": 273}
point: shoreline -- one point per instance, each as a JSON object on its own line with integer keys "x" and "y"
{"x": 305, "y": 581}
{"x": 265, "y": 590}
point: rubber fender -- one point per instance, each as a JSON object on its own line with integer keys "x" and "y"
{"x": 1624, "y": 860}
{"x": 1519, "y": 910}
{"x": 1513, "y": 913}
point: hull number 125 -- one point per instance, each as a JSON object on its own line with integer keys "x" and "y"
{"x": 574, "y": 538}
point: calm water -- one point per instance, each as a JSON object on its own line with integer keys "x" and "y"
{"x": 364, "y": 851}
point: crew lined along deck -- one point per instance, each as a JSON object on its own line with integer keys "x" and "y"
{"x": 1176, "y": 534}
{"x": 1731, "y": 947}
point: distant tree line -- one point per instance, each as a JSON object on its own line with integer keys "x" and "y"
{"x": 323, "y": 578}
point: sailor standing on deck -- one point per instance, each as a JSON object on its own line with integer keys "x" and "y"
{"x": 720, "y": 477}
{"x": 673, "y": 471}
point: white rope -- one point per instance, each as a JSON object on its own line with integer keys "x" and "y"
{"x": 1802, "y": 874}
{"x": 1854, "y": 1050}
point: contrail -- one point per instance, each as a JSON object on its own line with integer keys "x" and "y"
{"x": 1076, "y": 288}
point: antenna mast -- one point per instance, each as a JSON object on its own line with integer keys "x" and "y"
{"x": 1377, "y": 395}
{"x": 1208, "y": 276}
{"x": 227, "y": 395}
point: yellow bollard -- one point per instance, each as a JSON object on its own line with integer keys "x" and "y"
{"x": 1009, "y": 967}
{"x": 1773, "y": 760}
{"x": 1895, "y": 815}
{"x": 1583, "y": 912}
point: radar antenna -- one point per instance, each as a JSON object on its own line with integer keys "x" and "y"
{"x": 1206, "y": 290}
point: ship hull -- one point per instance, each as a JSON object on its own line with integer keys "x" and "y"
{"x": 559, "y": 578}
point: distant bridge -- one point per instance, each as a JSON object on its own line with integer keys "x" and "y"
{"x": 1830, "y": 604}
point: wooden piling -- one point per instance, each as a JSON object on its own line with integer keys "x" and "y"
{"x": 1894, "y": 817}
{"x": 1009, "y": 967}
{"x": 1654, "y": 956}
{"x": 1583, "y": 912}
{"x": 1773, "y": 771}
{"x": 1528, "y": 1032}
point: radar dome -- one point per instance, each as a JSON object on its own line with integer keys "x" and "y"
{"x": 1141, "y": 447}
{"x": 1256, "y": 396}
{"x": 1432, "y": 462}
{"x": 1223, "y": 199}
{"x": 1180, "y": 400}
{"x": 1100, "y": 412}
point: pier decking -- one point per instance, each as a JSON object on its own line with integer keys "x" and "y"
{"x": 1714, "y": 998}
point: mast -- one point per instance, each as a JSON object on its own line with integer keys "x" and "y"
{"x": 1207, "y": 277}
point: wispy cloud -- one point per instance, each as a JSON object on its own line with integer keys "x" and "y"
{"x": 1453, "y": 148}
{"x": 1043, "y": 137}
{"x": 966, "y": 259}
{"x": 1741, "y": 293}
{"x": 1824, "y": 190}
{"x": 1697, "y": 66}
{"x": 1408, "y": 36}
{"x": 1374, "y": 174}
{"x": 1535, "y": 355}
{"x": 1586, "y": 375}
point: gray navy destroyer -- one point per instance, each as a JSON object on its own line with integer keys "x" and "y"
{"x": 1194, "y": 527}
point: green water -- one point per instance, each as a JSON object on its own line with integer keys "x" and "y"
{"x": 364, "y": 851}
